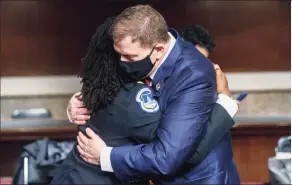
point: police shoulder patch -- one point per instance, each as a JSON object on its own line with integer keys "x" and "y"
{"x": 146, "y": 101}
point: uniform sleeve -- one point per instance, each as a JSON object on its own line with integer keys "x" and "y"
{"x": 228, "y": 104}
{"x": 221, "y": 121}
{"x": 220, "y": 124}
{"x": 183, "y": 123}
{"x": 143, "y": 115}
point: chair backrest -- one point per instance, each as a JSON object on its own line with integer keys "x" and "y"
{"x": 284, "y": 144}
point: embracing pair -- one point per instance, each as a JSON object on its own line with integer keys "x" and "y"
{"x": 171, "y": 129}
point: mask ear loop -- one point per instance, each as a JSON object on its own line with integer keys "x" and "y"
{"x": 152, "y": 50}
{"x": 151, "y": 54}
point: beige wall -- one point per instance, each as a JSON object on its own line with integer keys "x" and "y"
{"x": 273, "y": 103}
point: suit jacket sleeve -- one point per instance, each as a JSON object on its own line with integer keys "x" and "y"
{"x": 183, "y": 122}
{"x": 220, "y": 124}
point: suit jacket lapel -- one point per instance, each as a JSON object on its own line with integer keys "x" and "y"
{"x": 166, "y": 68}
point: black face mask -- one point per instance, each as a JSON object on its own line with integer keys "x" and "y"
{"x": 136, "y": 70}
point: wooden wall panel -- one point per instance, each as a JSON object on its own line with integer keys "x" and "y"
{"x": 249, "y": 35}
{"x": 253, "y": 145}
{"x": 50, "y": 37}
{"x": 46, "y": 37}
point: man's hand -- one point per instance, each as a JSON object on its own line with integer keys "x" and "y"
{"x": 221, "y": 80}
{"x": 76, "y": 111}
{"x": 90, "y": 147}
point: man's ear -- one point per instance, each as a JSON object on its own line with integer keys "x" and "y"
{"x": 159, "y": 50}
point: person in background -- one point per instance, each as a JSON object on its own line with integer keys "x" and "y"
{"x": 201, "y": 38}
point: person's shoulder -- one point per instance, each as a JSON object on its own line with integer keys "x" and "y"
{"x": 142, "y": 98}
{"x": 128, "y": 90}
{"x": 192, "y": 57}
{"x": 192, "y": 64}
{"x": 140, "y": 85}
{"x": 143, "y": 114}
{"x": 132, "y": 86}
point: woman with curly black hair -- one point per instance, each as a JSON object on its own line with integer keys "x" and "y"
{"x": 200, "y": 37}
{"x": 118, "y": 107}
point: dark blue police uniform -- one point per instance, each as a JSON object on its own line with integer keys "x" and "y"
{"x": 131, "y": 119}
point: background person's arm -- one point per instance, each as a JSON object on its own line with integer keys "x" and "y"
{"x": 221, "y": 119}
{"x": 221, "y": 122}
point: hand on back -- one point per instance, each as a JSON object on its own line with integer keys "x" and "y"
{"x": 76, "y": 111}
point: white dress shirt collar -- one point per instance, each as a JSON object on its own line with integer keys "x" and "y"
{"x": 172, "y": 43}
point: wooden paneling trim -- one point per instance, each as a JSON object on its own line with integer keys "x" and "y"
{"x": 60, "y": 132}
{"x": 261, "y": 129}
{"x": 69, "y": 132}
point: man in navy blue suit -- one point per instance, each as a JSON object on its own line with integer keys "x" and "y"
{"x": 184, "y": 81}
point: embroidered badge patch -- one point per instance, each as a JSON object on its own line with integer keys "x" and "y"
{"x": 146, "y": 101}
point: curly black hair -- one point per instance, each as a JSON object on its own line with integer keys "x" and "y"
{"x": 198, "y": 35}
{"x": 100, "y": 80}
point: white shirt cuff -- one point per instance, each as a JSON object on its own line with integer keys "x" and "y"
{"x": 68, "y": 115}
{"x": 228, "y": 103}
{"x": 105, "y": 159}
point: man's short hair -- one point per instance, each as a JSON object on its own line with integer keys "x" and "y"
{"x": 143, "y": 23}
{"x": 198, "y": 35}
